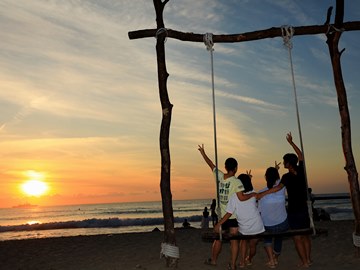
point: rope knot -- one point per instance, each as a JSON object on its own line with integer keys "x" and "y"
{"x": 168, "y": 250}
{"x": 332, "y": 29}
{"x": 287, "y": 33}
{"x": 208, "y": 40}
{"x": 161, "y": 31}
{"x": 356, "y": 240}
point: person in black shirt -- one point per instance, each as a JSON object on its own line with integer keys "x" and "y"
{"x": 298, "y": 216}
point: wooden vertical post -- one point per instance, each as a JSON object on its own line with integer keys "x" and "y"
{"x": 333, "y": 37}
{"x": 161, "y": 35}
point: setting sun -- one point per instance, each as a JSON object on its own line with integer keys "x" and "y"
{"x": 35, "y": 186}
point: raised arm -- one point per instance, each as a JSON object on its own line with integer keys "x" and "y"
{"x": 206, "y": 158}
{"x": 294, "y": 146}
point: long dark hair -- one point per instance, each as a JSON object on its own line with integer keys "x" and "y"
{"x": 271, "y": 175}
{"x": 246, "y": 181}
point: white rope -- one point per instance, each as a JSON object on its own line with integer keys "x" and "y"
{"x": 161, "y": 31}
{"x": 287, "y": 34}
{"x": 331, "y": 29}
{"x": 168, "y": 250}
{"x": 209, "y": 43}
{"x": 356, "y": 240}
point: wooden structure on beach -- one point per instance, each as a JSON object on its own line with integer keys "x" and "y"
{"x": 209, "y": 235}
{"x": 333, "y": 33}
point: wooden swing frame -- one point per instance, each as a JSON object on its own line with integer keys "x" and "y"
{"x": 333, "y": 37}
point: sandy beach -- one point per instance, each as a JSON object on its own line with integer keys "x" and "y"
{"x": 333, "y": 250}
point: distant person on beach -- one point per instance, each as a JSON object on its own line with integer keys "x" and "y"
{"x": 228, "y": 185}
{"x": 324, "y": 215}
{"x": 313, "y": 209}
{"x": 248, "y": 218}
{"x": 205, "y": 219}
{"x": 214, "y": 216}
{"x": 311, "y": 196}
{"x": 186, "y": 224}
{"x": 298, "y": 215}
{"x": 273, "y": 213}
{"x": 318, "y": 214}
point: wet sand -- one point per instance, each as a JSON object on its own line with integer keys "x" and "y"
{"x": 334, "y": 250}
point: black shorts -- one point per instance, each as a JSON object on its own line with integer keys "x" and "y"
{"x": 230, "y": 223}
{"x": 299, "y": 220}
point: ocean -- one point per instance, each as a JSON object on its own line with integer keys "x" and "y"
{"x": 90, "y": 219}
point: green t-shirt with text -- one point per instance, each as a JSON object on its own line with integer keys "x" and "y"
{"x": 227, "y": 187}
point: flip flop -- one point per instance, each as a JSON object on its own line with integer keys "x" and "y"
{"x": 247, "y": 261}
{"x": 272, "y": 266}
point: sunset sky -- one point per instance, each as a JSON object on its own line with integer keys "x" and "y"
{"x": 80, "y": 108}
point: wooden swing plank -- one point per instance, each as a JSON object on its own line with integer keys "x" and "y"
{"x": 210, "y": 235}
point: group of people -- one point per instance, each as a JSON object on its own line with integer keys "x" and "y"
{"x": 250, "y": 213}
{"x": 205, "y": 217}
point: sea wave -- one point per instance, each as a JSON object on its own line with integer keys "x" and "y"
{"x": 94, "y": 223}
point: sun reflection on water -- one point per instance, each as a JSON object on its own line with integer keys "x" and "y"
{"x": 32, "y": 222}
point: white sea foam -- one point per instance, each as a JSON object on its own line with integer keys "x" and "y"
{"x": 22, "y": 223}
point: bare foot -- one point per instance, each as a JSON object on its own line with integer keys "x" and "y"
{"x": 303, "y": 265}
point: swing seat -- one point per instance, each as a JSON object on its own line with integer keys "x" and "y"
{"x": 210, "y": 235}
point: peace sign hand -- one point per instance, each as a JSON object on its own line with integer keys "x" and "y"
{"x": 277, "y": 165}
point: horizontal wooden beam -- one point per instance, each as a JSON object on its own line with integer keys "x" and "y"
{"x": 249, "y": 36}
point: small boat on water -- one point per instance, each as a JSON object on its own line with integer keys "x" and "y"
{"x": 25, "y": 205}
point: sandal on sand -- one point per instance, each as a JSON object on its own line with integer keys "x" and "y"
{"x": 276, "y": 259}
{"x": 247, "y": 261}
{"x": 209, "y": 262}
{"x": 230, "y": 268}
{"x": 242, "y": 265}
{"x": 270, "y": 265}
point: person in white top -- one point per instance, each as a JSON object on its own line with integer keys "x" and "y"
{"x": 273, "y": 213}
{"x": 248, "y": 218}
